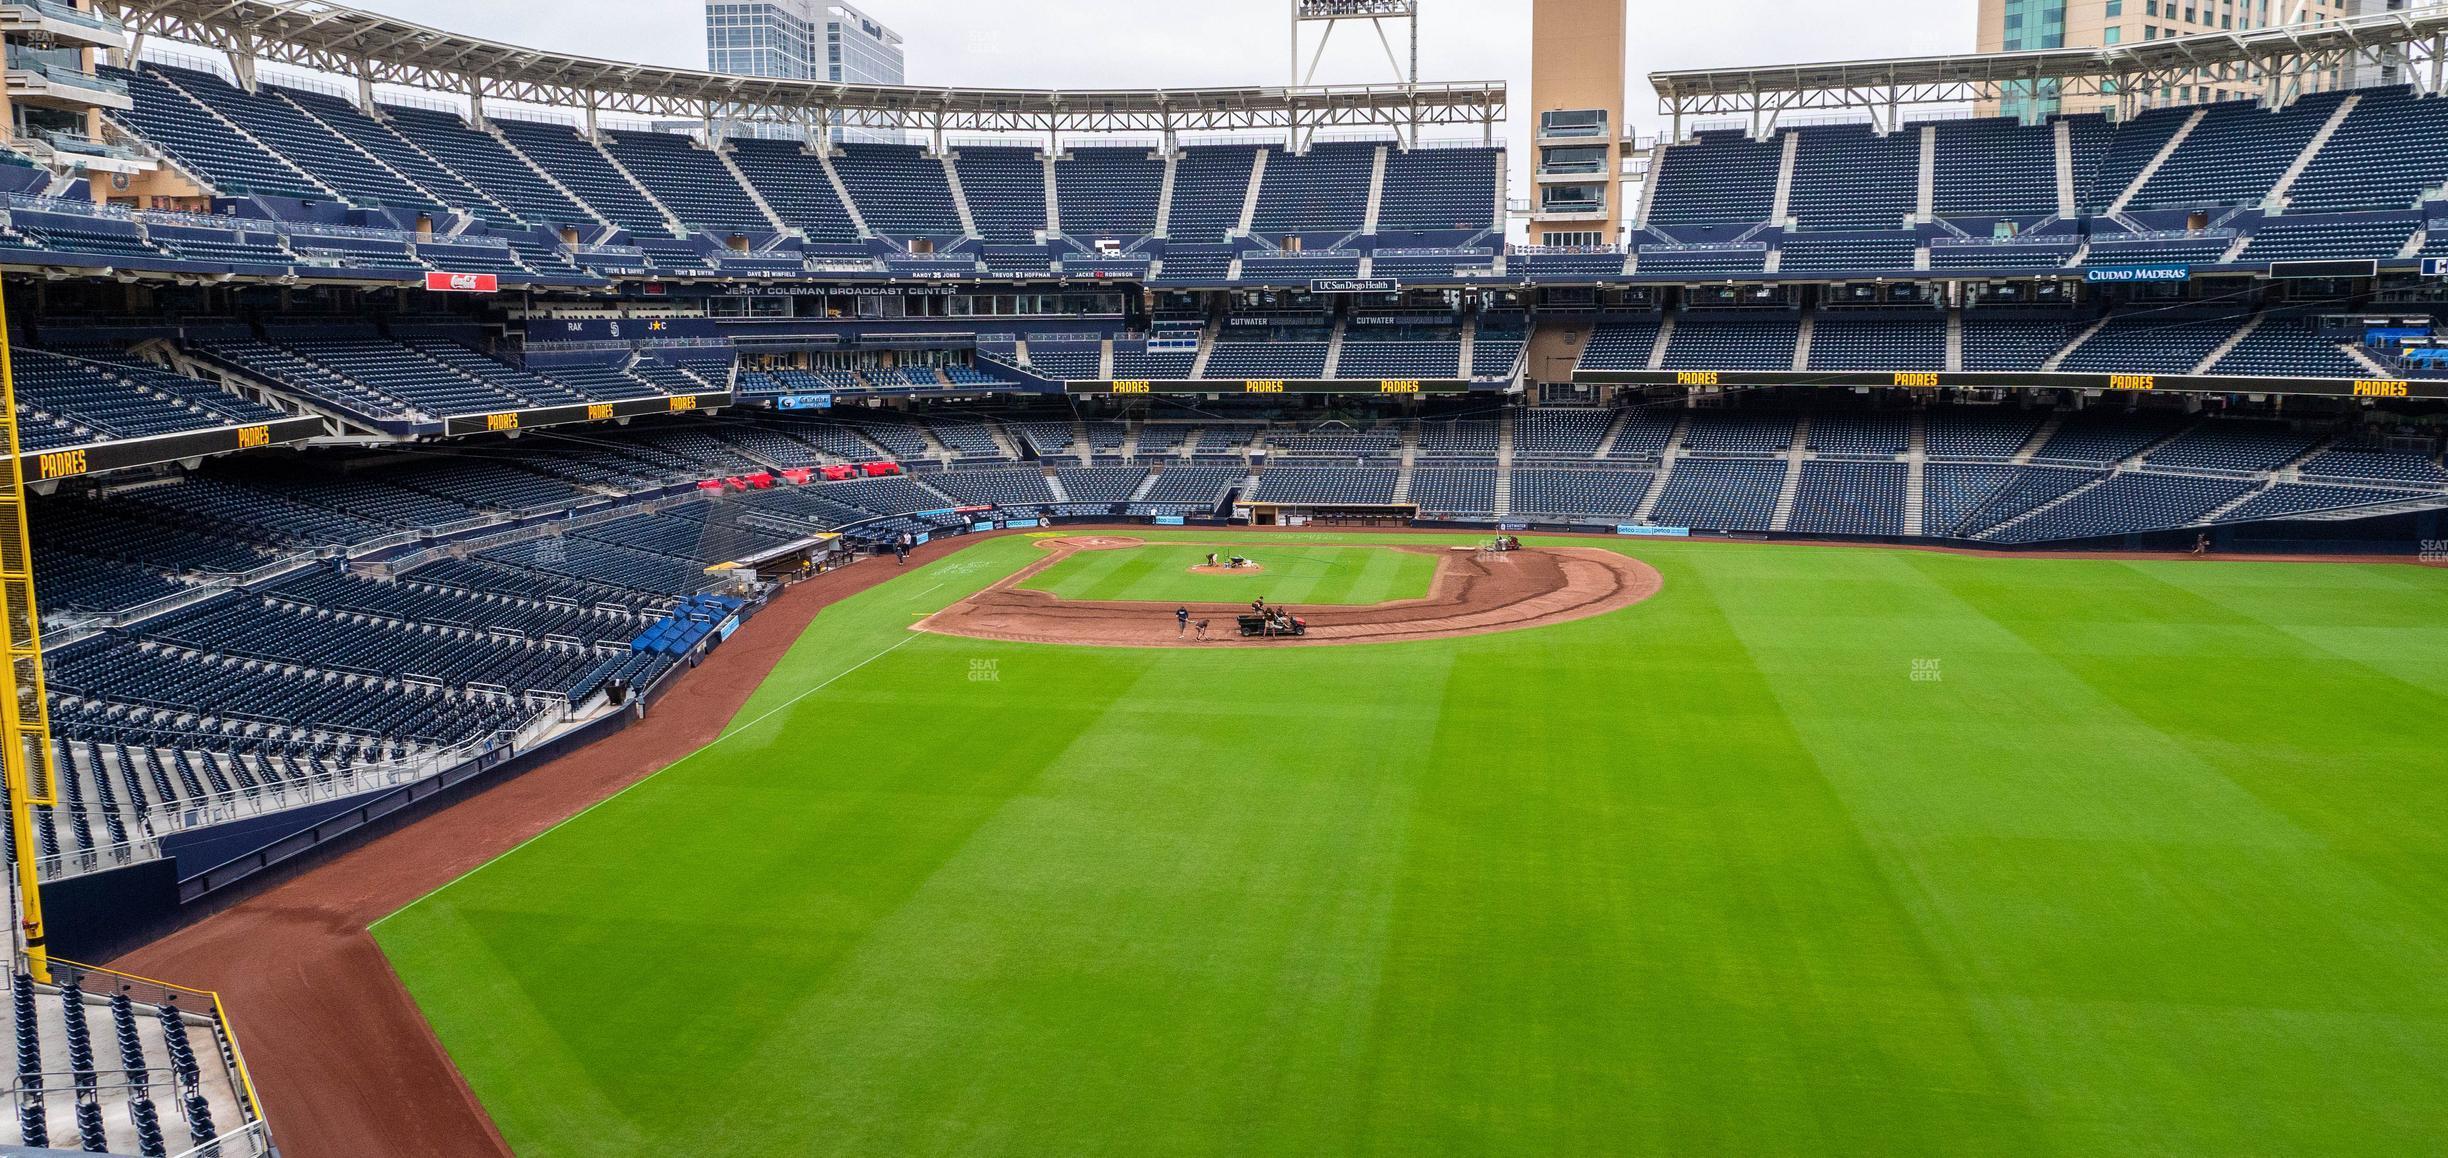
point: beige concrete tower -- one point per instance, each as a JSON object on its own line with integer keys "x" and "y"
{"x": 1577, "y": 121}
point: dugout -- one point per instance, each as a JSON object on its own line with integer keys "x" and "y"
{"x": 1328, "y": 514}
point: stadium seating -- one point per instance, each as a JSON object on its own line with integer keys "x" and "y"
{"x": 1367, "y": 357}
{"x": 385, "y": 143}
{"x": 1266, "y": 359}
{"x": 1850, "y": 177}
{"x": 1109, "y": 192}
{"x": 102, "y": 399}
{"x": 1995, "y": 167}
{"x": 1739, "y": 432}
{"x": 2249, "y": 447}
{"x": 1953, "y": 493}
{"x": 2151, "y": 343}
{"x": 1006, "y": 191}
{"x": 2113, "y": 155}
{"x": 1210, "y": 185}
{"x": 900, "y": 190}
{"x": 1992, "y": 342}
{"x": 305, "y": 143}
{"x": 1454, "y": 491}
{"x": 1458, "y": 438}
{"x": 1322, "y": 190}
{"x": 1433, "y": 189}
{"x": 1850, "y": 498}
{"x": 1620, "y": 343}
{"x": 2287, "y": 239}
{"x": 1612, "y": 495}
{"x": 1717, "y": 177}
{"x": 1202, "y": 486}
{"x": 1862, "y": 253}
{"x": 1104, "y": 484}
{"x": 1325, "y": 485}
{"x": 1846, "y": 341}
{"x": 1555, "y": 432}
{"x": 690, "y": 181}
{"x": 2284, "y": 347}
{"x": 583, "y": 169}
{"x": 2101, "y": 439}
{"x": 2124, "y": 502}
{"x": 1659, "y": 260}
{"x": 184, "y": 129}
{"x": 2235, "y": 154}
{"x": 796, "y": 186}
{"x": 1721, "y": 495}
{"x": 2380, "y": 158}
{"x": 482, "y": 162}
{"x": 1733, "y": 342}
{"x": 1995, "y": 433}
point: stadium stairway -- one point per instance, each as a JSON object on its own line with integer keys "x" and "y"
{"x": 1791, "y": 489}
{"x": 545, "y": 174}
{"x": 1916, "y": 479}
{"x": 756, "y": 196}
{"x": 1505, "y": 425}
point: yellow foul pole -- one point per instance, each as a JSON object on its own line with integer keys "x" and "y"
{"x": 25, "y": 714}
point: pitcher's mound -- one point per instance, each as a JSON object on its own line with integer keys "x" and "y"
{"x": 1249, "y": 569}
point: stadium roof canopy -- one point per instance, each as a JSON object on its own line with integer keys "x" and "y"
{"x": 2278, "y": 56}
{"x": 377, "y": 49}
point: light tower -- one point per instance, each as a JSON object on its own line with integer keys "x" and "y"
{"x": 1327, "y": 14}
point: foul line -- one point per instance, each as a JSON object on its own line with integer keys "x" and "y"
{"x": 729, "y": 732}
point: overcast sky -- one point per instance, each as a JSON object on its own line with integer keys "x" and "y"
{"x": 1184, "y": 43}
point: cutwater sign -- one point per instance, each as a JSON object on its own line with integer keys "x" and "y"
{"x": 2117, "y": 274}
{"x": 804, "y": 402}
{"x": 1637, "y": 531}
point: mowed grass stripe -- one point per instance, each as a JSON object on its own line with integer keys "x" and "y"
{"x": 1631, "y": 893}
{"x": 1712, "y": 874}
{"x": 1185, "y": 912}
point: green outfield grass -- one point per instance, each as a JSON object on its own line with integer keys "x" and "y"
{"x": 1819, "y": 851}
{"x": 1289, "y": 575}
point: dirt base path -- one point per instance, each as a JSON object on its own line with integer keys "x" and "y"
{"x": 1474, "y": 593}
{"x": 346, "y": 1065}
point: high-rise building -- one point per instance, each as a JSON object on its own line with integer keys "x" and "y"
{"x": 1577, "y": 98}
{"x": 799, "y": 40}
{"x": 2032, "y": 25}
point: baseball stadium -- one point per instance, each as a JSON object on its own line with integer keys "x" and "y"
{"x": 565, "y": 606}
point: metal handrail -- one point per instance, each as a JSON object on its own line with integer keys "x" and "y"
{"x": 64, "y": 13}
{"x": 25, "y": 59}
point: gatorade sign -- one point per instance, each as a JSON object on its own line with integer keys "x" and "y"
{"x": 462, "y": 283}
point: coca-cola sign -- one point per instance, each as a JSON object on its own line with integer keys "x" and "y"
{"x": 462, "y": 283}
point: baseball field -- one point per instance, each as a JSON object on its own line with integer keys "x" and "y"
{"x": 1818, "y": 850}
